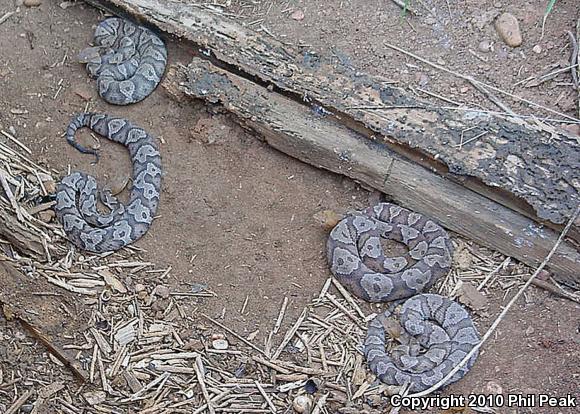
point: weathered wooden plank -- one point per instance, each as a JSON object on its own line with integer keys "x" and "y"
{"x": 321, "y": 141}
{"x": 20, "y": 237}
{"x": 529, "y": 167}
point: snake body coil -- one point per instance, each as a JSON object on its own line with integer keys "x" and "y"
{"x": 76, "y": 197}
{"x": 357, "y": 259}
{"x": 433, "y": 323}
{"x": 127, "y": 60}
{"x": 438, "y": 332}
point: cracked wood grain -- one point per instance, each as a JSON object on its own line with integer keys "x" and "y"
{"x": 322, "y": 142}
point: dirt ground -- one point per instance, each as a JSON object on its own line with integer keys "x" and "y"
{"x": 237, "y": 215}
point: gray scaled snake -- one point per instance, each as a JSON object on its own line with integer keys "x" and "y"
{"x": 438, "y": 332}
{"x": 127, "y": 60}
{"x": 77, "y": 195}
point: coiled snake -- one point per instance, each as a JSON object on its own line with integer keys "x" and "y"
{"x": 127, "y": 60}
{"x": 76, "y": 197}
{"x": 431, "y": 322}
{"x": 357, "y": 260}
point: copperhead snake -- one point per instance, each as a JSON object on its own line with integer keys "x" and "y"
{"x": 77, "y": 196}
{"x": 438, "y": 332}
{"x": 127, "y": 60}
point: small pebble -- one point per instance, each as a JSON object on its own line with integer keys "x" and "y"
{"x": 508, "y": 28}
{"x": 302, "y": 404}
{"x": 492, "y": 388}
{"x": 32, "y": 3}
{"x": 46, "y": 216}
{"x": 485, "y": 46}
{"x": 530, "y": 331}
{"x": 297, "y": 15}
{"x": 220, "y": 344}
{"x": 139, "y": 287}
{"x": 162, "y": 291}
{"x": 537, "y": 49}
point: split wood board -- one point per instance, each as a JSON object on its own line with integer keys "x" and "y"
{"x": 320, "y": 141}
{"x": 529, "y": 167}
{"x": 22, "y": 238}
{"x": 411, "y": 132}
